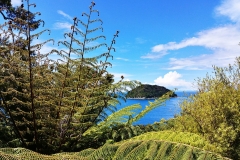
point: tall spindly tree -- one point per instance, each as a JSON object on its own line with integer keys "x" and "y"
{"x": 48, "y": 104}
{"x": 21, "y": 72}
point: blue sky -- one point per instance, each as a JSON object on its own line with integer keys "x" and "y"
{"x": 165, "y": 42}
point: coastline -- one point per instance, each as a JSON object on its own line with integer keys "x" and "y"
{"x": 143, "y": 98}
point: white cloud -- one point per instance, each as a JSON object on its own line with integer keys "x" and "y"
{"x": 218, "y": 39}
{"x": 62, "y": 25}
{"x": 202, "y": 61}
{"x": 173, "y": 80}
{"x": 16, "y": 3}
{"x": 154, "y": 56}
{"x": 222, "y": 41}
{"x": 65, "y": 15}
{"x": 124, "y": 59}
{"x": 230, "y": 8}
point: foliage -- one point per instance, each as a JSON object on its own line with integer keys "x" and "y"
{"x": 18, "y": 64}
{"x": 179, "y": 137}
{"x": 214, "y": 112}
{"x": 118, "y": 126}
{"x": 148, "y": 91}
{"x": 18, "y": 14}
{"x": 59, "y": 105}
{"x": 48, "y": 104}
{"x": 137, "y": 149}
{"x": 152, "y": 105}
{"x": 5, "y": 6}
{"x": 5, "y": 2}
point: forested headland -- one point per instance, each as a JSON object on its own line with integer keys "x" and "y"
{"x": 148, "y": 91}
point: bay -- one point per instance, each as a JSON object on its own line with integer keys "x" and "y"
{"x": 166, "y": 111}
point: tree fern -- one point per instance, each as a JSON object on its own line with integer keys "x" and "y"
{"x": 180, "y": 151}
{"x": 180, "y": 137}
{"x": 104, "y": 152}
{"x": 50, "y": 103}
{"x": 21, "y": 94}
{"x": 128, "y": 115}
{"x": 162, "y": 150}
{"x": 158, "y": 102}
{"x": 152, "y": 150}
{"x": 124, "y": 150}
{"x": 121, "y": 116}
{"x": 139, "y": 152}
{"x": 188, "y": 154}
{"x": 148, "y": 149}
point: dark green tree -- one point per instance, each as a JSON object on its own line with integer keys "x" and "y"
{"x": 9, "y": 12}
{"x": 5, "y": 6}
{"x": 20, "y": 72}
{"x": 49, "y": 104}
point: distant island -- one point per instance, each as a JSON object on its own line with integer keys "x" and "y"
{"x": 147, "y": 91}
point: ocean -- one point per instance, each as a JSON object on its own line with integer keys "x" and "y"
{"x": 166, "y": 111}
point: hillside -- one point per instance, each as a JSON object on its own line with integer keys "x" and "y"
{"x": 148, "y": 91}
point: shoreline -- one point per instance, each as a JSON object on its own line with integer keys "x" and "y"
{"x": 143, "y": 98}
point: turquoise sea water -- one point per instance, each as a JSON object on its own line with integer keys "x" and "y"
{"x": 166, "y": 111}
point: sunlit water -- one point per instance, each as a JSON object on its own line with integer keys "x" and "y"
{"x": 166, "y": 111}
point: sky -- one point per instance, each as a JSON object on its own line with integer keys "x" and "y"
{"x": 164, "y": 42}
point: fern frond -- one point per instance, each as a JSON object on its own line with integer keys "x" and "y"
{"x": 179, "y": 137}
{"x": 149, "y": 149}
{"x": 88, "y": 49}
{"x": 152, "y": 105}
{"x": 78, "y": 31}
{"x": 95, "y": 29}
